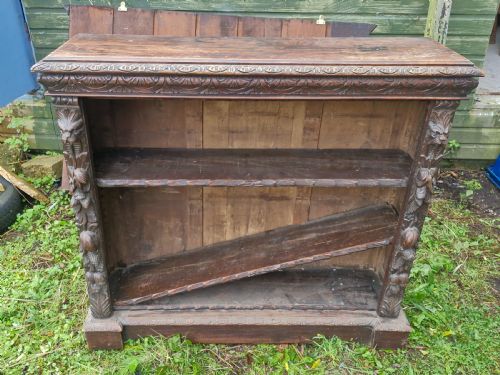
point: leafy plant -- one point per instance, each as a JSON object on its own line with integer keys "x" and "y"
{"x": 470, "y": 187}
{"x": 453, "y": 147}
{"x": 12, "y": 115}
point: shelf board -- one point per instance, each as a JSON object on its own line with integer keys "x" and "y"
{"x": 327, "y": 289}
{"x": 248, "y": 256}
{"x": 251, "y": 167}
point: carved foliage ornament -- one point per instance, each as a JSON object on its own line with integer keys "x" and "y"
{"x": 83, "y": 201}
{"x": 432, "y": 151}
{"x": 172, "y": 85}
{"x": 244, "y": 69}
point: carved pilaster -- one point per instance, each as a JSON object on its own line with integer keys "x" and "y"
{"x": 430, "y": 152}
{"x": 84, "y": 201}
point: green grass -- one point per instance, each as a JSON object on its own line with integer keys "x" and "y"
{"x": 450, "y": 302}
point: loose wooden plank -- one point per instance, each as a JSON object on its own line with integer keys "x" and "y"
{"x": 249, "y": 256}
{"x": 278, "y": 167}
{"x": 23, "y": 185}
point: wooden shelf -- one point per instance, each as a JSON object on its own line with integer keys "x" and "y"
{"x": 285, "y": 247}
{"x": 332, "y": 289}
{"x": 256, "y": 167}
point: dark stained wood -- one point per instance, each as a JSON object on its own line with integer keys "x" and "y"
{"x": 175, "y": 23}
{"x": 133, "y": 22}
{"x": 297, "y": 28}
{"x": 298, "y": 167}
{"x": 388, "y": 51}
{"x": 249, "y": 256}
{"x": 253, "y": 26}
{"x": 349, "y": 29}
{"x": 232, "y": 212}
{"x": 103, "y": 333}
{"x": 140, "y": 222}
{"x": 265, "y": 326}
{"x": 333, "y": 289}
{"x": 231, "y": 67}
{"x": 91, "y": 20}
{"x": 214, "y": 25}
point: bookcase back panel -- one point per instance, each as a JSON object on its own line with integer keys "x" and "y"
{"x": 147, "y": 223}
{"x": 194, "y": 123}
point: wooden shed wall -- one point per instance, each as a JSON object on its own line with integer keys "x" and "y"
{"x": 470, "y": 25}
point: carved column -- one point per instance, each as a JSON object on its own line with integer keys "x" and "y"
{"x": 429, "y": 153}
{"x": 84, "y": 201}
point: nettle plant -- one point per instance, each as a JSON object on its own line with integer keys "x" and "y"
{"x": 12, "y": 115}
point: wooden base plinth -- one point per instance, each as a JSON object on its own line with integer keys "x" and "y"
{"x": 103, "y": 333}
{"x": 248, "y": 327}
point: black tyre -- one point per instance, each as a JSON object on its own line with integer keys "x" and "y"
{"x": 10, "y": 204}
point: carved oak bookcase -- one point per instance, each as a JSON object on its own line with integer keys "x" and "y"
{"x": 246, "y": 190}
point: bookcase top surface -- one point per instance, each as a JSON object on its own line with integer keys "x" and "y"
{"x": 154, "y": 66}
{"x": 138, "y": 49}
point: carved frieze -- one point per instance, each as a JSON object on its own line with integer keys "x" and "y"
{"x": 82, "y": 67}
{"x": 432, "y": 150}
{"x": 84, "y": 203}
{"x": 262, "y": 85}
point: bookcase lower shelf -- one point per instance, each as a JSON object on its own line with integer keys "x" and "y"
{"x": 290, "y": 306}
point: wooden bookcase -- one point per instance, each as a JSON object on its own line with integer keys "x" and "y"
{"x": 246, "y": 190}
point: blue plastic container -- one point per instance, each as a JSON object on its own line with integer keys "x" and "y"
{"x": 493, "y": 173}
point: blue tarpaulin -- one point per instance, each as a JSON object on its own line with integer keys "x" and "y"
{"x": 16, "y": 53}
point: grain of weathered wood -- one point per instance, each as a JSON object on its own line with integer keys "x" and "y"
{"x": 329, "y": 289}
{"x": 90, "y": 20}
{"x": 175, "y": 23}
{"x": 146, "y": 123}
{"x": 249, "y": 256}
{"x": 438, "y": 19}
{"x": 296, "y": 28}
{"x": 475, "y": 7}
{"x": 260, "y": 27}
{"x": 142, "y": 224}
{"x": 133, "y": 22}
{"x": 229, "y": 213}
{"x": 278, "y": 167}
{"x": 214, "y": 25}
{"x": 318, "y": 51}
{"x": 264, "y": 326}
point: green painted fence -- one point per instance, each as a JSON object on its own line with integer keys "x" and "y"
{"x": 470, "y": 25}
